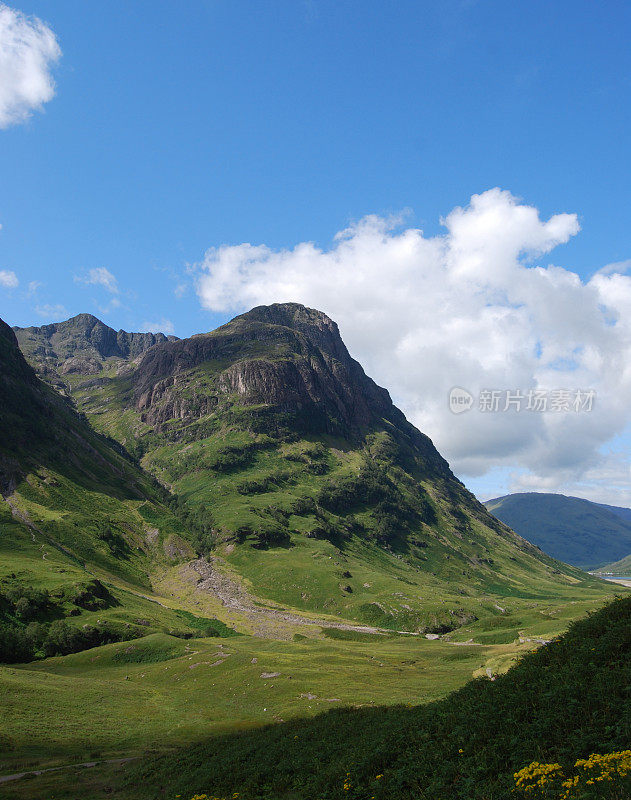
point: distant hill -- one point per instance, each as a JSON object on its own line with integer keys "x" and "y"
{"x": 622, "y": 567}
{"x": 579, "y": 532}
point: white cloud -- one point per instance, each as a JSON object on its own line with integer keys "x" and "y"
{"x": 33, "y": 286}
{"x": 113, "y": 304}
{"x": 51, "y": 312}
{"x": 8, "y": 279}
{"x": 99, "y": 276}
{"x": 162, "y": 326}
{"x": 621, "y": 267}
{"x": 28, "y": 49}
{"x": 467, "y": 308}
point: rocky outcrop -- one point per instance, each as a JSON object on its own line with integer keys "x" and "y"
{"x": 285, "y": 356}
{"x": 286, "y": 363}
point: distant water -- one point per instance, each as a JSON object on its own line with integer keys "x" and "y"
{"x": 615, "y": 577}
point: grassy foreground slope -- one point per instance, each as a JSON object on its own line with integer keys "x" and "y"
{"x": 561, "y": 702}
{"x": 564, "y": 701}
{"x": 313, "y": 488}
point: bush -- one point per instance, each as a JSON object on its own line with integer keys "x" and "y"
{"x": 63, "y": 639}
{"x": 15, "y": 644}
{"x": 26, "y": 602}
{"x": 263, "y": 534}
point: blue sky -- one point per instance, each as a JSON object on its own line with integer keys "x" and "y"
{"x": 176, "y": 128}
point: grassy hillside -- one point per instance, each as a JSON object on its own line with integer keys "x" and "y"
{"x": 82, "y": 527}
{"x": 621, "y": 567}
{"x": 576, "y": 531}
{"x": 562, "y": 702}
{"x": 314, "y": 505}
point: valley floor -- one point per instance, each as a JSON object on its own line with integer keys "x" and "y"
{"x": 158, "y": 693}
{"x": 161, "y": 692}
{"x": 154, "y": 694}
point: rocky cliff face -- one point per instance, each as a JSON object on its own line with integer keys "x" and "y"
{"x": 285, "y": 357}
{"x": 81, "y": 345}
{"x": 37, "y": 425}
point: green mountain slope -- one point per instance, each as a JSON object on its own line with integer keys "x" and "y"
{"x": 621, "y": 568}
{"x": 579, "y": 532}
{"x": 315, "y": 491}
{"x": 81, "y": 526}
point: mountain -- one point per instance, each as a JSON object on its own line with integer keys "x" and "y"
{"x": 81, "y": 345}
{"x": 579, "y": 532}
{"x": 620, "y": 511}
{"x": 620, "y": 568}
{"x": 82, "y": 527}
{"x": 315, "y": 491}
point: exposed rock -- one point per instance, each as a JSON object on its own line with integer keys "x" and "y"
{"x": 81, "y": 344}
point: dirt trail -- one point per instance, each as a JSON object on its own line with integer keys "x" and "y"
{"x": 86, "y": 764}
{"x": 33, "y": 529}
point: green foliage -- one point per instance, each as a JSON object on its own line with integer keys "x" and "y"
{"x": 263, "y": 534}
{"x": 206, "y": 626}
{"x": 348, "y": 636}
{"x": 393, "y": 512}
{"x": 21, "y": 644}
{"x": 266, "y": 483}
{"x": 63, "y": 638}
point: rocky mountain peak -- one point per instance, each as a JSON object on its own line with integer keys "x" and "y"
{"x": 80, "y": 344}
{"x": 284, "y": 364}
{"x": 315, "y": 325}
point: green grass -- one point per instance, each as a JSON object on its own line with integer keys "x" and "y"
{"x": 162, "y": 692}
{"x": 409, "y": 588}
{"x": 292, "y": 513}
{"x": 562, "y": 702}
{"x": 367, "y": 526}
{"x": 47, "y": 558}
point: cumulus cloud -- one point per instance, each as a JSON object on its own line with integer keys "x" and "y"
{"x": 99, "y": 276}
{"x": 471, "y": 307}
{"x": 28, "y": 50}
{"x": 8, "y": 279}
{"x": 161, "y": 326}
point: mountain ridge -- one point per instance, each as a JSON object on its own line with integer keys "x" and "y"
{"x": 82, "y": 344}
{"x": 82, "y": 526}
